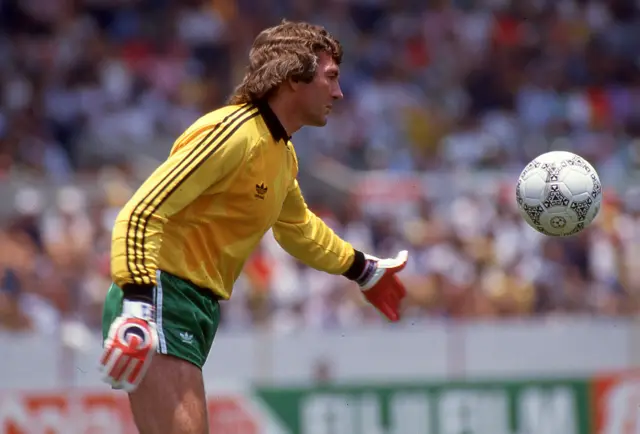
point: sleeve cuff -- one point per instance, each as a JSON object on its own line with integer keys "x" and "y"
{"x": 358, "y": 266}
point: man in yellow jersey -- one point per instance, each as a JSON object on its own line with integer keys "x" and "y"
{"x": 181, "y": 241}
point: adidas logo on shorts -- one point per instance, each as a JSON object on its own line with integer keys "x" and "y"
{"x": 186, "y": 337}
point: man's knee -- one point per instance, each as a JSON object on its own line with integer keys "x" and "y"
{"x": 170, "y": 399}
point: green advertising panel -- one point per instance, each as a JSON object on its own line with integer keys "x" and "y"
{"x": 505, "y": 407}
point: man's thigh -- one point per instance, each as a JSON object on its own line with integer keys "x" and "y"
{"x": 170, "y": 399}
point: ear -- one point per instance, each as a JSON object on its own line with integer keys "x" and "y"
{"x": 294, "y": 83}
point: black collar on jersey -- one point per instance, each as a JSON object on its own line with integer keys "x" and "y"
{"x": 273, "y": 123}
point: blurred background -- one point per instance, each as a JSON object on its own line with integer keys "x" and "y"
{"x": 445, "y": 102}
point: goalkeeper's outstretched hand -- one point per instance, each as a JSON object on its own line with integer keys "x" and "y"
{"x": 380, "y": 285}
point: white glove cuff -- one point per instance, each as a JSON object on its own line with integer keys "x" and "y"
{"x": 137, "y": 309}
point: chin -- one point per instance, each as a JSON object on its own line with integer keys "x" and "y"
{"x": 320, "y": 122}
{"x": 316, "y": 121}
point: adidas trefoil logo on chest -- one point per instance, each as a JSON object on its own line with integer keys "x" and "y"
{"x": 261, "y": 191}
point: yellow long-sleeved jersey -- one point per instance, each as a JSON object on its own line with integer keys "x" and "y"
{"x": 230, "y": 177}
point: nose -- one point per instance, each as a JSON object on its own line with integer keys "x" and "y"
{"x": 337, "y": 93}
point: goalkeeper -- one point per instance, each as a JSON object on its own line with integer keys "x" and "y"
{"x": 181, "y": 241}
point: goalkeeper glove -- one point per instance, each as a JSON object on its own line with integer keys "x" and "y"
{"x": 378, "y": 282}
{"x": 129, "y": 347}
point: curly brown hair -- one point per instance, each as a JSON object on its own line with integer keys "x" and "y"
{"x": 286, "y": 51}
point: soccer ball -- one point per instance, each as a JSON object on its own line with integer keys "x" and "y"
{"x": 559, "y": 194}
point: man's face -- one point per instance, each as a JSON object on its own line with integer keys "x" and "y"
{"x": 316, "y": 98}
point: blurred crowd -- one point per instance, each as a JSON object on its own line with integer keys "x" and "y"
{"x": 470, "y": 257}
{"x": 90, "y": 87}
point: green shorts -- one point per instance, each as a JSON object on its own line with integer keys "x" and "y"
{"x": 187, "y": 317}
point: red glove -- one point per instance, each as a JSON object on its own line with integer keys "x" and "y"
{"x": 129, "y": 347}
{"x": 381, "y": 287}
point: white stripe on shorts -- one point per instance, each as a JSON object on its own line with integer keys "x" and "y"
{"x": 162, "y": 343}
